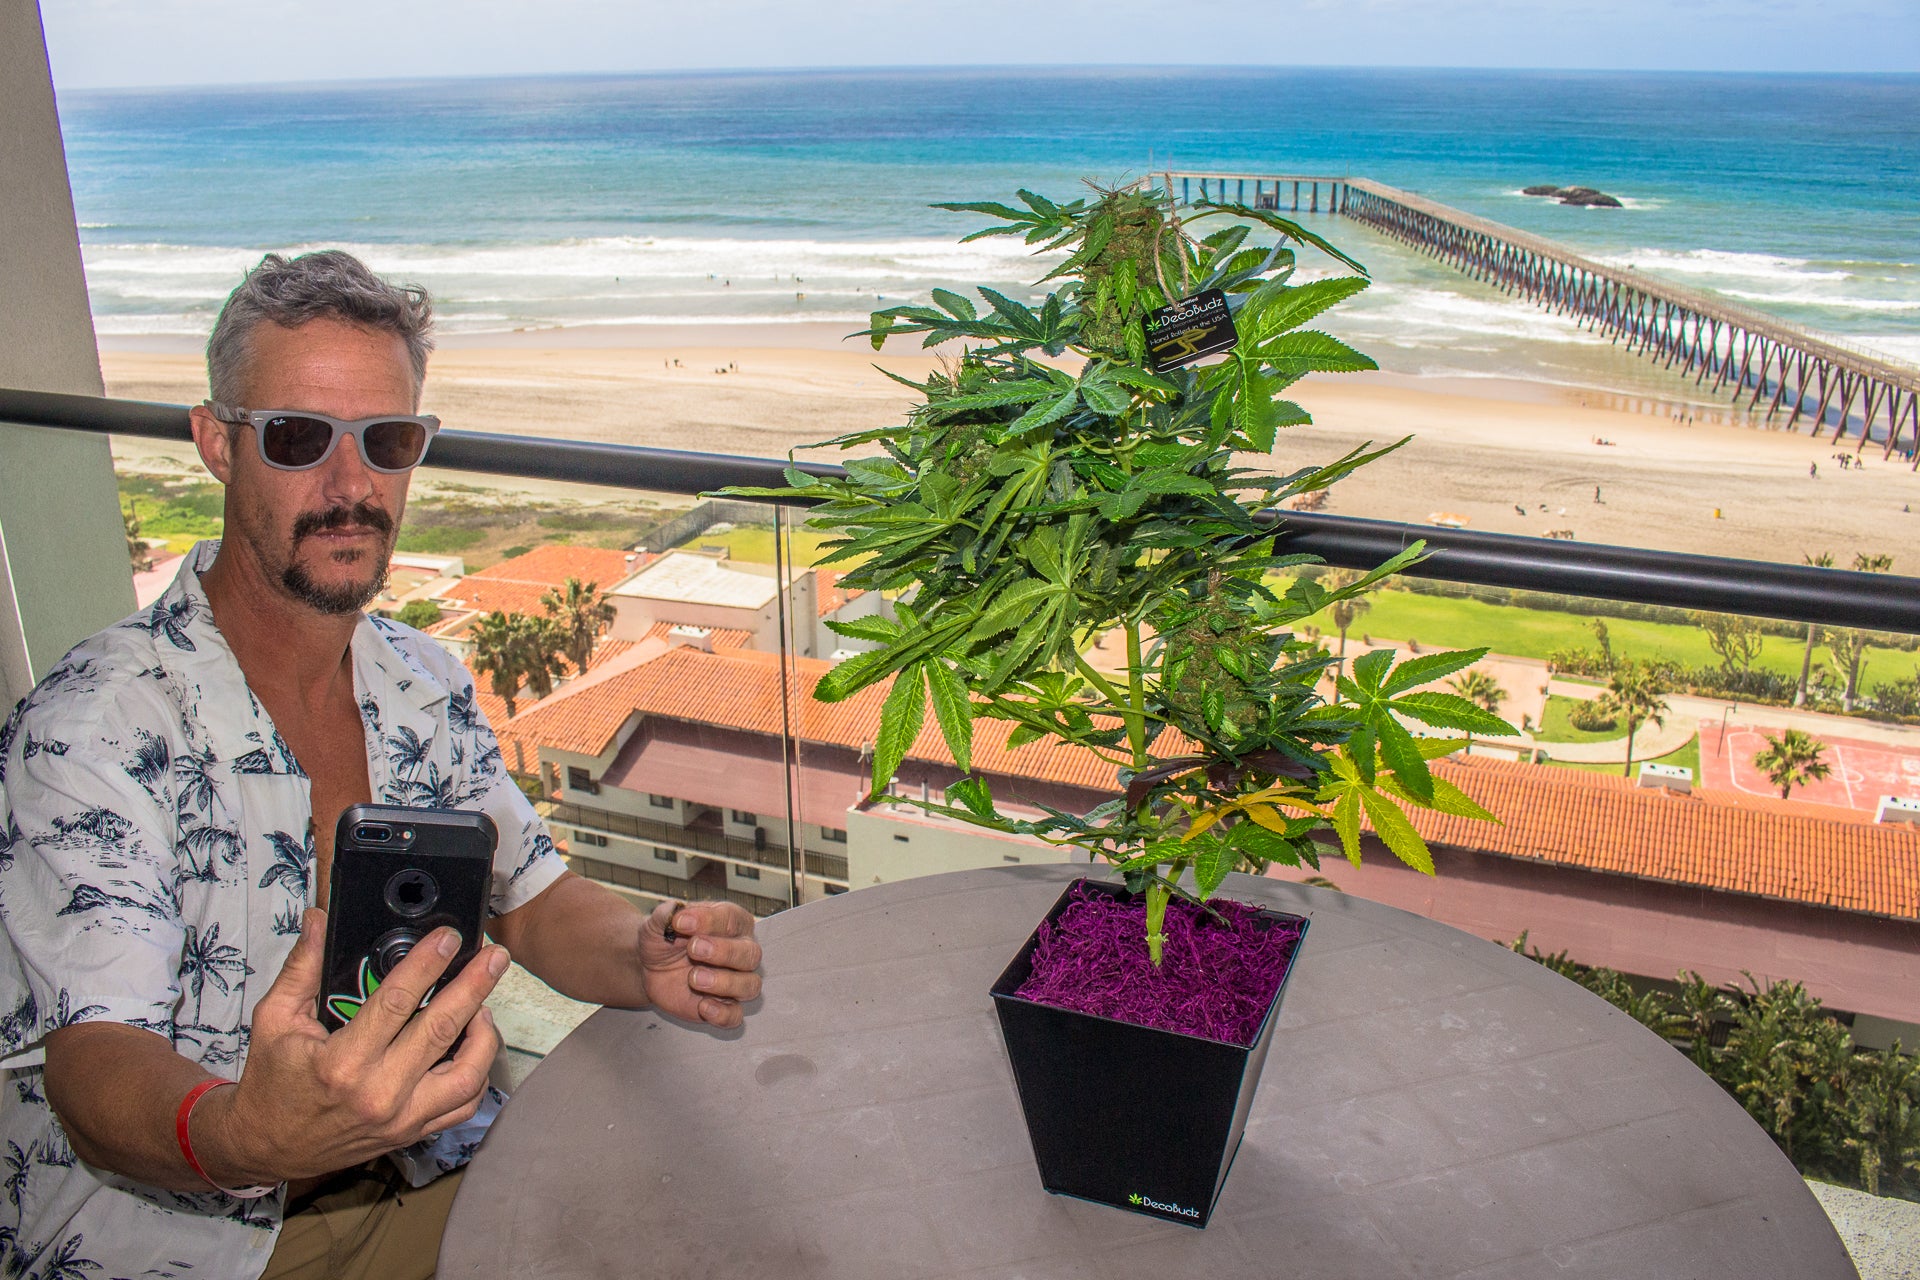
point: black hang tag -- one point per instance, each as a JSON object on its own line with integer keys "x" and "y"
{"x": 1184, "y": 331}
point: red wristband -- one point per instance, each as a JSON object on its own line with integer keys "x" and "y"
{"x": 183, "y": 1117}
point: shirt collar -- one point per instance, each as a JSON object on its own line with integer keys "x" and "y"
{"x": 208, "y": 681}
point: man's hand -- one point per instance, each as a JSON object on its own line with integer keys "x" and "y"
{"x": 311, "y": 1103}
{"x": 707, "y": 969}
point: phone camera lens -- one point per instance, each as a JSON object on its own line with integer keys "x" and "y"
{"x": 391, "y": 949}
{"x": 412, "y": 893}
{"x": 373, "y": 833}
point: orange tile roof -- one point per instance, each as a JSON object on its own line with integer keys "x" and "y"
{"x": 494, "y": 707}
{"x": 553, "y": 564}
{"x": 1792, "y": 851}
{"x": 740, "y": 689}
{"x": 484, "y": 595}
{"x": 722, "y": 637}
{"x": 829, "y": 594}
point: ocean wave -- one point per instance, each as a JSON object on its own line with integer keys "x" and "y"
{"x": 1901, "y": 346}
{"x": 1719, "y": 262}
{"x": 1415, "y": 317}
{"x": 1816, "y": 300}
{"x": 607, "y": 257}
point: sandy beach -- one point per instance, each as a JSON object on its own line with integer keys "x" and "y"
{"x": 1481, "y": 448}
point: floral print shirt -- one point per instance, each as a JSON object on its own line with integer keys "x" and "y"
{"x": 155, "y": 857}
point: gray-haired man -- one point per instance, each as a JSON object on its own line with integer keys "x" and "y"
{"x": 168, "y": 797}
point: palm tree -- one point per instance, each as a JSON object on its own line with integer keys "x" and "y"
{"x": 544, "y": 646}
{"x": 1636, "y": 693}
{"x": 514, "y": 649}
{"x": 1345, "y": 612}
{"x": 1849, "y": 646}
{"x": 1822, "y": 561}
{"x": 582, "y": 614}
{"x": 1793, "y": 760}
{"x": 1482, "y": 690}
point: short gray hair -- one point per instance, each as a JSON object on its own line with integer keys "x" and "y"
{"x": 291, "y": 291}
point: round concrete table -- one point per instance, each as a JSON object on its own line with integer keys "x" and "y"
{"x": 1433, "y": 1105}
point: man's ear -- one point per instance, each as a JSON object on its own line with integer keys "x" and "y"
{"x": 215, "y": 440}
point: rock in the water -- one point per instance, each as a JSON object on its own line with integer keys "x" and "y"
{"x": 1580, "y": 196}
{"x": 1586, "y": 197}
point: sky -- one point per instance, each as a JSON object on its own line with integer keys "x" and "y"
{"x": 121, "y": 43}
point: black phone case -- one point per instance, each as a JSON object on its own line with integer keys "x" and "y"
{"x": 436, "y": 868}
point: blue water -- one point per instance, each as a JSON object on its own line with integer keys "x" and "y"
{"x": 791, "y": 197}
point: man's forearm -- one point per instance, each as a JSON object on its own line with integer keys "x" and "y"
{"x": 582, "y": 939}
{"x": 116, "y": 1090}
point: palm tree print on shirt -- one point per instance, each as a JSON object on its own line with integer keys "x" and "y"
{"x": 407, "y": 750}
{"x": 193, "y": 771}
{"x": 205, "y": 959}
{"x": 292, "y": 865}
{"x": 150, "y": 762}
{"x": 169, "y": 619}
{"x": 215, "y": 847}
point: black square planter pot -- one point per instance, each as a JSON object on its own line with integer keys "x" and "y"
{"x": 1165, "y": 1154}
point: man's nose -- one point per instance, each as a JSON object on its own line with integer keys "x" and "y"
{"x": 345, "y": 475}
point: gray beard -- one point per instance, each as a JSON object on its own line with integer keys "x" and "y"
{"x": 331, "y": 600}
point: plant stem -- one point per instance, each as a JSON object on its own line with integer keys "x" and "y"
{"x": 1136, "y": 703}
{"x": 1157, "y": 894}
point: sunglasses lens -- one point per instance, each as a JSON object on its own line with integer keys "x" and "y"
{"x": 395, "y": 446}
{"x": 290, "y": 441}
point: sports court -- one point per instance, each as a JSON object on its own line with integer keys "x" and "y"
{"x": 1862, "y": 771}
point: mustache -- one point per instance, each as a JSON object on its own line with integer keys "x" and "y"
{"x": 361, "y": 514}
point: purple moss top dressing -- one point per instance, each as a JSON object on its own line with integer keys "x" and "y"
{"x": 1216, "y": 978}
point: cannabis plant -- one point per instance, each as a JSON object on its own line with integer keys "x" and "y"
{"x": 1056, "y": 483}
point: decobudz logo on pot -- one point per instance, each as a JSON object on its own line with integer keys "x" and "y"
{"x": 1147, "y": 1202}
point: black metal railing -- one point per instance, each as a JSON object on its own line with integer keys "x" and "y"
{"x": 1797, "y": 593}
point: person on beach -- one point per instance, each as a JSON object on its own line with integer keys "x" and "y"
{"x": 168, "y": 797}
{"x": 1813, "y": 469}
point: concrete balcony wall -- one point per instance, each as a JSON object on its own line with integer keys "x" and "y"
{"x": 884, "y": 845}
{"x": 64, "y": 572}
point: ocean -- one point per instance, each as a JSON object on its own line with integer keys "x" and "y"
{"x": 758, "y": 198}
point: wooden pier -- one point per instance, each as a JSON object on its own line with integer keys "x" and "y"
{"x": 1750, "y": 355}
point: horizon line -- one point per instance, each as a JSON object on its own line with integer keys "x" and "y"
{"x": 663, "y": 73}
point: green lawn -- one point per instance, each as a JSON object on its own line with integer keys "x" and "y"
{"x": 1556, "y": 724}
{"x": 177, "y": 512}
{"x": 1536, "y": 633}
{"x": 438, "y": 540}
{"x": 754, "y": 544}
{"x": 1687, "y": 757}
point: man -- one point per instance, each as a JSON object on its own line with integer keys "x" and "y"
{"x": 168, "y": 796}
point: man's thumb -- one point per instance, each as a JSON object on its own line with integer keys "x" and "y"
{"x": 299, "y": 979}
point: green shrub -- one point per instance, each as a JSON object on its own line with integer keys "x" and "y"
{"x": 1840, "y": 1113}
{"x": 1590, "y": 716}
{"x": 419, "y": 614}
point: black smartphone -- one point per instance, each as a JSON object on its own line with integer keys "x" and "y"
{"x": 399, "y": 874}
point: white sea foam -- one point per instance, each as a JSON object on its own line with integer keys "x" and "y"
{"x": 1902, "y": 346}
{"x": 1411, "y": 316}
{"x": 1818, "y": 300}
{"x": 1719, "y": 263}
{"x": 598, "y": 280}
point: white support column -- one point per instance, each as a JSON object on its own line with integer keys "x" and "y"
{"x": 63, "y": 560}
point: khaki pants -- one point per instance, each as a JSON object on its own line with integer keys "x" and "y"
{"x": 365, "y": 1224}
